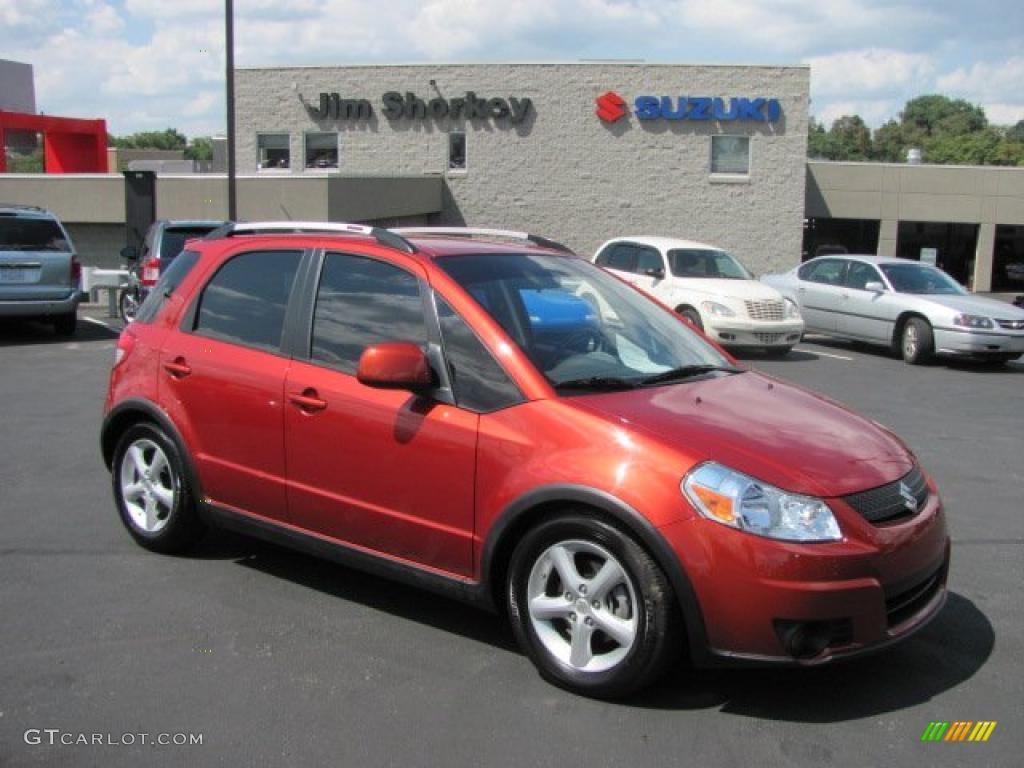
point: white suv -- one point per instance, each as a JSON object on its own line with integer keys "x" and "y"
{"x": 708, "y": 287}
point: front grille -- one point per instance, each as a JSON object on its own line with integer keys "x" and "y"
{"x": 1011, "y": 325}
{"x": 887, "y": 503}
{"x": 769, "y": 309}
{"x": 904, "y": 604}
{"x": 768, "y": 338}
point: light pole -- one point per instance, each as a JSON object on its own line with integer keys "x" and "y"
{"x": 229, "y": 43}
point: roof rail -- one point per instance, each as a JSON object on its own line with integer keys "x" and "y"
{"x": 479, "y": 232}
{"x": 382, "y": 236}
{"x": 23, "y": 207}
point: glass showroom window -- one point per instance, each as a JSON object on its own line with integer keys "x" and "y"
{"x": 321, "y": 151}
{"x": 457, "y": 151}
{"x": 730, "y": 155}
{"x": 273, "y": 151}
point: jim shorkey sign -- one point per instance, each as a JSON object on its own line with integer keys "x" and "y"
{"x": 396, "y": 106}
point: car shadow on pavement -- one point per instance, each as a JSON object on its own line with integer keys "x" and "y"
{"x": 17, "y": 332}
{"x": 756, "y": 356}
{"x": 380, "y": 594}
{"x": 941, "y": 656}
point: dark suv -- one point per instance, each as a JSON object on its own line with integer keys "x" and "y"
{"x": 491, "y": 416}
{"x": 40, "y": 275}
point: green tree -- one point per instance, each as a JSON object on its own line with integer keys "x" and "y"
{"x": 852, "y": 138}
{"x": 200, "y": 148}
{"x": 1016, "y": 133}
{"x": 889, "y": 145}
{"x": 168, "y": 138}
{"x": 936, "y": 115}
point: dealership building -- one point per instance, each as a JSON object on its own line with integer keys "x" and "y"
{"x": 580, "y": 152}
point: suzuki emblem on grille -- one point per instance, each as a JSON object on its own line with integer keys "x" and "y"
{"x": 909, "y": 500}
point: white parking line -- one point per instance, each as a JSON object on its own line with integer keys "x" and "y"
{"x": 823, "y": 354}
{"x": 94, "y": 321}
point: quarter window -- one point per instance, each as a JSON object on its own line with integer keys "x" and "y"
{"x": 479, "y": 382}
{"x": 245, "y": 301}
{"x": 360, "y": 302}
{"x": 730, "y": 155}
{"x": 859, "y": 274}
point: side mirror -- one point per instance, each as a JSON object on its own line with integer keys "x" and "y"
{"x": 875, "y": 287}
{"x": 657, "y": 274}
{"x": 130, "y": 253}
{"x": 395, "y": 365}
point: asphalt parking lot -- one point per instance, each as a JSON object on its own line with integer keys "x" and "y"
{"x": 276, "y": 658}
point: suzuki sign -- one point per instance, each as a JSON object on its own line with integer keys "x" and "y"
{"x": 611, "y": 107}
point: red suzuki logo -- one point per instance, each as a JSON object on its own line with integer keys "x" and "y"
{"x": 610, "y": 107}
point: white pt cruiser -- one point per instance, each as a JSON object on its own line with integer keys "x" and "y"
{"x": 708, "y": 287}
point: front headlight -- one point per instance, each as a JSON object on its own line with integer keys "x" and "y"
{"x": 792, "y": 310}
{"x": 972, "y": 321}
{"x": 738, "y": 501}
{"x": 714, "y": 308}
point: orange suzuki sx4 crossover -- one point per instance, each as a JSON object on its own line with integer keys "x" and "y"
{"x": 485, "y": 414}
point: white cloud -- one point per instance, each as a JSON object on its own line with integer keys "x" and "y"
{"x": 867, "y": 71}
{"x": 1004, "y": 114}
{"x": 985, "y": 80}
{"x": 872, "y": 112}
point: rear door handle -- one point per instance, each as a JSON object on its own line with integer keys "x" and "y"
{"x": 178, "y": 368}
{"x": 308, "y": 400}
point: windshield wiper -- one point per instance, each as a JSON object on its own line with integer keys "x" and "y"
{"x": 597, "y": 382}
{"x": 686, "y": 372}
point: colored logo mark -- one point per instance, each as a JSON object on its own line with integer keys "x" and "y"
{"x": 610, "y": 107}
{"x": 959, "y": 730}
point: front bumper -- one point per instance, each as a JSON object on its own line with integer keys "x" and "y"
{"x": 877, "y": 586}
{"x": 978, "y": 343}
{"x": 41, "y": 307}
{"x": 732, "y": 332}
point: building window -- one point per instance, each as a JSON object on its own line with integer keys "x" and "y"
{"x": 457, "y": 151}
{"x": 321, "y": 150}
{"x": 273, "y": 151}
{"x": 730, "y": 155}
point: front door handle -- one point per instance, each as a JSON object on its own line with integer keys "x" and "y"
{"x": 307, "y": 401}
{"x": 178, "y": 368}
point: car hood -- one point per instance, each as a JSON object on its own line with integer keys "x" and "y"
{"x": 742, "y": 290}
{"x": 771, "y": 430}
{"x": 976, "y": 305}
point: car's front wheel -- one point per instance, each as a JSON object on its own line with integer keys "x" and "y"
{"x": 152, "y": 493}
{"x": 590, "y": 607}
{"x": 917, "y": 342}
{"x": 693, "y": 316}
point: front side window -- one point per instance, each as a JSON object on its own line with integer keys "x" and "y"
{"x": 648, "y": 260}
{"x": 245, "y": 302}
{"x": 457, "y": 151}
{"x": 581, "y": 327}
{"x": 730, "y": 155}
{"x": 702, "y": 262}
{"x": 321, "y": 151}
{"x": 273, "y": 152}
{"x": 362, "y": 301}
{"x": 479, "y": 382}
{"x": 859, "y": 274}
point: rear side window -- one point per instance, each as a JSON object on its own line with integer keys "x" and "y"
{"x": 360, "y": 302}
{"x": 169, "y": 281}
{"x": 245, "y": 302}
{"x": 479, "y": 382}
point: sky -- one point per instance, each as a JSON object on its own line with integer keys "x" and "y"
{"x": 152, "y": 64}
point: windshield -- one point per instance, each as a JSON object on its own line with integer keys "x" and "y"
{"x": 24, "y": 234}
{"x": 701, "y": 262}
{"x": 581, "y": 327}
{"x": 920, "y": 278}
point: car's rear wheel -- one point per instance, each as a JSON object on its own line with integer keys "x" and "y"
{"x": 152, "y": 493}
{"x": 65, "y": 325}
{"x": 590, "y": 607}
{"x": 917, "y": 343}
{"x": 692, "y": 315}
{"x": 128, "y": 305}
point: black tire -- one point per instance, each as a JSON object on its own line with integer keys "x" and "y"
{"x": 917, "y": 343}
{"x": 127, "y": 306}
{"x": 65, "y": 325}
{"x": 171, "y": 527}
{"x": 692, "y": 315}
{"x": 618, "y": 669}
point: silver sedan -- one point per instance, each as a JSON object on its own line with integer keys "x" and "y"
{"x": 914, "y": 308}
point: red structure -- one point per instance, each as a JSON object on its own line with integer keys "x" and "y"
{"x": 70, "y": 144}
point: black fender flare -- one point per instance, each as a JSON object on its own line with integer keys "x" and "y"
{"x": 497, "y": 549}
